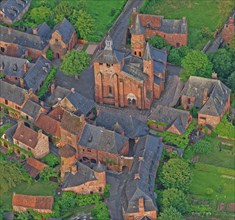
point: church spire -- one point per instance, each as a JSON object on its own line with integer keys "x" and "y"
{"x": 108, "y": 43}
{"x": 147, "y": 53}
{"x": 137, "y": 29}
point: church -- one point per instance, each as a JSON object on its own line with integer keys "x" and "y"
{"x": 129, "y": 80}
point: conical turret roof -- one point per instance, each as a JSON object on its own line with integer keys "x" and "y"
{"x": 147, "y": 53}
{"x": 138, "y": 28}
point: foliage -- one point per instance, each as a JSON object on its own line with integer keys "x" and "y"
{"x": 4, "y": 127}
{"x": 202, "y": 147}
{"x": 170, "y": 214}
{"x": 84, "y": 24}
{"x": 67, "y": 201}
{"x": 39, "y": 15}
{"x": 159, "y": 42}
{"x": 176, "y": 173}
{"x": 62, "y": 10}
{"x": 175, "y": 198}
{"x": 177, "y": 54}
{"x": 51, "y": 75}
{"x": 180, "y": 141}
{"x": 100, "y": 211}
{"x": 75, "y": 62}
{"x": 23, "y": 216}
{"x": 49, "y": 54}
{"x": 83, "y": 200}
{"x": 47, "y": 173}
{"x": 194, "y": 112}
{"x": 206, "y": 33}
{"x": 107, "y": 191}
{"x": 51, "y": 160}
{"x": 231, "y": 81}
{"x": 196, "y": 63}
{"x": 11, "y": 175}
{"x": 225, "y": 128}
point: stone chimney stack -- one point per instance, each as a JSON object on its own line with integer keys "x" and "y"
{"x": 25, "y": 67}
{"x": 73, "y": 90}
{"x": 74, "y": 169}
{"x": 21, "y": 82}
{"x": 40, "y": 134}
{"x": 134, "y": 10}
{"x": 214, "y": 75}
{"x": 9, "y": 30}
{"x": 231, "y": 20}
{"x": 141, "y": 204}
{"x": 52, "y": 88}
{"x": 184, "y": 20}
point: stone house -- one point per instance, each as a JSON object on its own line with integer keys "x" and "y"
{"x": 30, "y": 140}
{"x": 71, "y": 128}
{"x": 138, "y": 199}
{"x": 63, "y": 38}
{"x": 210, "y": 96}
{"x": 163, "y": 118}
{"x": 107, "y": 147}
{"x": 42, "y": 204}
{"x": 145, "y": 26}
{"x": 131, "y": 80}
{"x": 21, "y": 44}
{"x": 13, "y": 10}
{"x": 228, "y": 31}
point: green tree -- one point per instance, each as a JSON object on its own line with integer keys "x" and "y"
{"x": 202, "y": 147}
{"x": 84, "y": 24}
{"x": 100, "y": 212}
{"x": 47, "y": 173}
{"x": 40, "y": 15}
{"x": 107, "y": 191}
{"x": 158, "y": 42}
{"x": 175, "y": 198}
{"x": 23, "y": 216}
{"x": 49, "y": 54}
{"x": 196, "y": 63}
{"x": 231, "y": 81}
{"x": 171, "y": 214}
{"x": 75, "y": 62}
{"x": 63, "y": 10}
{"x": 51, "y": 160}
{"x": 176, "y": 173}
{"x": 174, "y": 57}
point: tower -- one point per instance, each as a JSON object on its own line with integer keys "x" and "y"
{"x": 137, "y": 38}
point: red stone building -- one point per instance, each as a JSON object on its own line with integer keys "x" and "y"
{"x": 210, "y": 96}
{"x": 129, "y": 81}
{"x": 108, "y": 147}
{"x": 13, "y": 10}
{"x": 30, "y": 140}
{"x": 228, "y": 31}
{"x": 63, "y": 38}
{"x": 42, "y": 204}
{"x": 145, "y": 26}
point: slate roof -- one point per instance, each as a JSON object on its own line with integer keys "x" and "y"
{"x": 218, "y": 94}
{"x": 12, "y": 93}
{"x": 23, "y": 39}
{"x": 141, "y": 180}
{"x": 12, "y": 66}
{"x": 10, "y": 132}
{"x": 81, "y": 103}
{"x": 132, "y": 127}
{"x": 59, "y": 94}
{"x": 71, "y": 122}
{"x": 44, "y": 31}
{"x": 34, "y": 202}
{"x": 66, "y": 29}
{"x": 83, "y": 175}
{"x": 38, "y": 73}
{"x": 13, "y": 8}
{"x": 31, "y": 108}
{"x": 102, "y": 139}
{"x": 170, "y": 116}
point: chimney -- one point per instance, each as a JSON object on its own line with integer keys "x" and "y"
{"x": 21, "y": 82}
{"x": 231, "y": 20}
{"x": 137, "y": 176}
{"x": 205, "y": 96}
{"x": 72, "y": 90}
{"x": 141, "y": 204}
{"x": 214, "y": 75}
{"x": 184, "y": 20}
{"x": 35, "y": 31}
{"x": 20, "y": 122}
{"x": 82, "y": 118}
{"x": 9, "y": 30}
{"x": 74, "y": 169}
{"x": 134, "y": 10}
{"x": 52, "y": 88}
{"x": 25, "y": 67}
{"x": 40, "y": 134}
{"x": 42, "y": 103}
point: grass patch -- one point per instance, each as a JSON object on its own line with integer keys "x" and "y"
{"x": 40, "y": 188}
{"x": 210, "y": 14}
{"x": 213, "y": 183}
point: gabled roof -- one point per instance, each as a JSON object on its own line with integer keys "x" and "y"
{"x": 67, "y": 151}
{"x": 141, "y": 180}
{"x": 34, "y": 202}
{"x": 34, "y": 167}
{"x": 170, "y": 116}
{"x": 217, "y": 94}
{"x": 132, "y": 127}
{"x": 59, "y": 94}
{"x": 65, "y": 29}
{"x": 12, "y": 93}
{"x": 31, "y": 108}
{"x": 38, "y": 73}
{"x": 23, "y": 39}
{"x": 44, "y": 31}
{"x": 83, "y": 175}
{"x": 13, "y": 8}
{"x": 102, "y": 139}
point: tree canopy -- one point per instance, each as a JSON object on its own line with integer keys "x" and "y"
{"x": 176, "y": 173}
{"x": 170, "y": 214}
{"x": 40, "y": 14}
{"x": 159, "y": 42}
{"x": 75, "y": 62}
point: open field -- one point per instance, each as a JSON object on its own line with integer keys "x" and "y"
{"x": 41, "y": 188}
{"x": 200, "y": 14}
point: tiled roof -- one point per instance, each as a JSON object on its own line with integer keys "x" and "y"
{"x": 12, "y": 93}
{"x": 38, "y": 73}
{"x": 34, "y": 202}
{"x": 13, "y": 8}
{"x": 23, "y": 39}
{"x": 56, "y": 113}
{"x": 34, "y": 167}
{"x": 67, "y": 151}
{"x": 102, "y": 139}
{"x": 66, "y": 29}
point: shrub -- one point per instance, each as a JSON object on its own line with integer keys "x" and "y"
{"x": 202, "y": 147}
{"x": 100, "y": 212}
{"x": 225, "y": 128}
{"x": 107, "y": 191}
{"x": 171, "y": 214}
{"x": 159, "y": 42}
{"x": 51, "y": 160}
{"x": 49, "y": 54}
{"x": 209, "y": 191}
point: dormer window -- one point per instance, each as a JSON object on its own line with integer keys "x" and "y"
{"x": 108, "y": 65}
{"x": 15, "y": 67}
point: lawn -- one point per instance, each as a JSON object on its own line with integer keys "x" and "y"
{"x": 37, "y": 188}
{"x": 199, "y": 13}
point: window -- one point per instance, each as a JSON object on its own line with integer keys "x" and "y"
{"x": 100, "y": 64}
{"x": 177, "y": 44}
{"x": 189, "y": 101}
{"x": 6, "y": 102}
{"x": 110, "y": 90}
{"x": 88, "y": 149}
{"x": 108, "y": 65}
{"x": 135, "y": 52}
{"x": 140, "y": 54}
{"x": 203, "y": 118}
{"x": 100, "y": 189}
{"x": 2, "y": 49}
